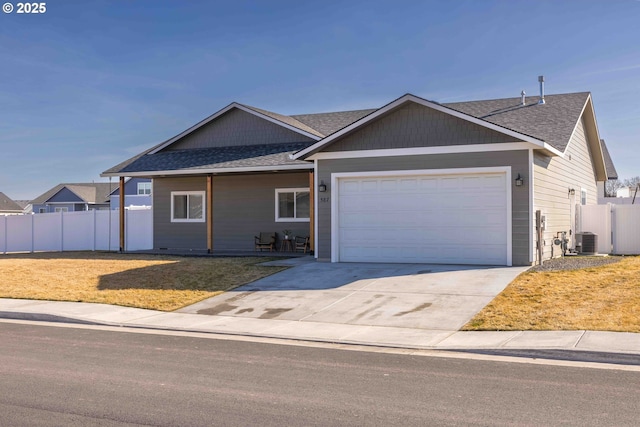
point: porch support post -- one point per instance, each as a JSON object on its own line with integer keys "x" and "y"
{"x": 122, "y": 239}
{"x": 209, "y": 211}
{"x": 312, "y": 192}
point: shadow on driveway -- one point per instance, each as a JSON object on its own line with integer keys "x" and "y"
{"x": 422, "y": 296}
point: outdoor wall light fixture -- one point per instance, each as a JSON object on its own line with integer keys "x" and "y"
{"x": 572, "y": 191}
{"x": 519, "y": 181}
{"x": 322, "y": 188}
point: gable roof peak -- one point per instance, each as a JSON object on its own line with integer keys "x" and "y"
{"x": 288, "y": 120}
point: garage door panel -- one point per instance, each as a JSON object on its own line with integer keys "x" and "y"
{"x": 440, "y": 219}
{"x": 349, "y": 186}
{"x": 428, "y": 185}
{"x": 370, "y": 186}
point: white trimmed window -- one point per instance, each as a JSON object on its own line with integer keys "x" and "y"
{"x": 64, "y": 209}
{"x": 292, "y": 205}
{"x": 144, "y": 188}
{"x": 583, "y": 197}
{"x": 187, "y": 206}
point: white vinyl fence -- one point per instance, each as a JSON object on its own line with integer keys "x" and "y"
{"x": 76, "y": 231}
{"x": 617, "y": 227}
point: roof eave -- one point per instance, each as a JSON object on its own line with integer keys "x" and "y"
{"x": 205, "y": 171}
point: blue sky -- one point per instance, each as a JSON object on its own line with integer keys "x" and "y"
{"x": 89, "y": 84}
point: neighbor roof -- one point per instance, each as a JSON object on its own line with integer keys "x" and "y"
{"x": 8, "y": 205}
{"x": 92, "y": 193}
{"x": 608, "y": 163}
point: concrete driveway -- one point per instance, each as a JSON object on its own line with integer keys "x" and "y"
{"x": 416, "y": 296}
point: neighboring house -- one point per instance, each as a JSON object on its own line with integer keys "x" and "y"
{"x": 137, "y": 194}
{"x": 624, "y": 196}
{"x": 412, "y": 181}
{"x": 8, "y": 206}
{"x": 73, "y": 197}
{"x": 626, "y": 191}
{"x": 25, "y": 205}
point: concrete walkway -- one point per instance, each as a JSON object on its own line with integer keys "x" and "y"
{"x": 101, "y": 314}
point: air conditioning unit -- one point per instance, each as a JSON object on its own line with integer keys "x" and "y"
{"x": 587, "y": 243}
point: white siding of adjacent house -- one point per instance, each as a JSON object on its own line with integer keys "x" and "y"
{"x": 553, "y": 177}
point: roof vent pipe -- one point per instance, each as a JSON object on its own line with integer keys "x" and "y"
{"x": 541, "y": 80}
{"x": 523, "y": 94}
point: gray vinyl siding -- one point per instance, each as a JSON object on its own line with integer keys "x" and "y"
{"x": 415, "y": 125}
{"x": 243, "y": 206}
{"x": 176, "y": 235}
{"x": 518, "y": 160}
{"x": 235, "y": 128}
{"x": 553, "y": 177}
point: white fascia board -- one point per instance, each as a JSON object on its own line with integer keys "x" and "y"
{"x": 205, "y": 171}
{"x": 426, "y": 103}
{"x": 424, "y": 172}
{"x": 450, "y": 149}
{"x": 223, "y": 111}
{"x": 553, "y": 150}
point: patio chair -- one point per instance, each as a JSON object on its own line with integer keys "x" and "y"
{"x": 301, "y": 243}
{"x": 266, "y": 240}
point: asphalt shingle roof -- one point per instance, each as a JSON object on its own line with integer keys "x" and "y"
{"x": 290, "y": 120}
{"x": 328, "y": 123}
{"x": 92, "y": 192}
{"x": 608, "y": 163}
{"x": 552, "y": 123}
{"x": 219, "y": 157}
{"x": 7, "y": 205}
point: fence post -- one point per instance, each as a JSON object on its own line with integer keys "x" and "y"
{"x": 94, "y": 230}
{"x": 61, "y": 230}
{"x": 614, "y": 233}
{"x": 33, "y": 234}
{"x": 6, "y": 241}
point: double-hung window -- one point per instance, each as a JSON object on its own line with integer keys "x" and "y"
{"x": 292, "y": 205}
{"x": 187, "y": 206}
{"x": 144, "y": 188}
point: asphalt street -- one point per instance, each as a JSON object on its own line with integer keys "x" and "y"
{"x": 86, "y": 376}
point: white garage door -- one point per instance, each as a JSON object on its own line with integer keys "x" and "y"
{"x": 449, "y": 219}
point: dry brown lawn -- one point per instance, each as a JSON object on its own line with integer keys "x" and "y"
{"x": 145, "y": 281}
{"x": 605, "y": 298}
